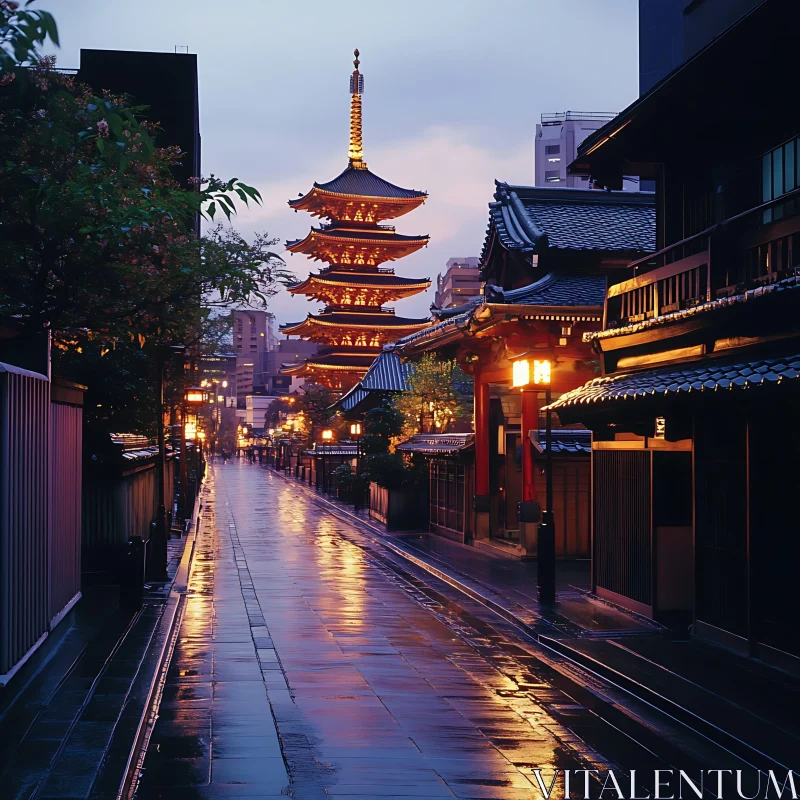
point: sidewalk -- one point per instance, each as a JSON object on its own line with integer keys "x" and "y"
{"x": 70, "y": 715}
{"x": 746, "y": 705}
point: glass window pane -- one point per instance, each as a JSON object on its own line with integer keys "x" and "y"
{"x": 777, "y": 172}
{"x": 788, "y": 167}
{"x": 766, "y": 178}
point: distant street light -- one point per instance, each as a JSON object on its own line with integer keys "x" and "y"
{"x": 194, "y": 395}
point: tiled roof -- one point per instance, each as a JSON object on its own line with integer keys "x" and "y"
{"x": 454, "y": 311}
{"x": 702, "y": 377}
{"x": 364, "y": 183}
{"x": 437, "y": 329}
{"x": 748, "y": 296}
{"x": 387, "y": 374}
{"x": 347, "y": 278}
{"x": 334, "y": 450}
{"x": 377, "y": 320}
{"x": 574, "y": 441}
{"x": 534, "y": 218}
{"x": 350, "y": 400}
{"x": 560, "y": 290}
{"x": 437, "y": 443}
{"x": 368, "y": 234}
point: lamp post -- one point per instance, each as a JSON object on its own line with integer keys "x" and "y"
{"x": 193, "y": 397}
{"x": 526, "y": 374}
{"x": 355, "y": 433}
{"x": 327, "y": 437}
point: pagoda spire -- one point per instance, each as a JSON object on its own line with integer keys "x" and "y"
{"x": 356, "y": 143}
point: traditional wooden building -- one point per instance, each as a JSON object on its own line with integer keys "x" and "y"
{"x": 696, "y": 452}
{"x": 354, "y": 286}
{"x": 545, "y": 262}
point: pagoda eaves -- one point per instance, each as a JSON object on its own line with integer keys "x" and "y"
{"x": 358, "y": 195}
{"x": 356, "y": 288}
{"x": 367, "y": 246}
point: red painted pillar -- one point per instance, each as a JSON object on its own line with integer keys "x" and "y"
{"x": 530, "y": 422}
{"x": 481, "y": 442}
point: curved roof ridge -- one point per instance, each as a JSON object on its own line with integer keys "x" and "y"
{"x": 363, "y": 183}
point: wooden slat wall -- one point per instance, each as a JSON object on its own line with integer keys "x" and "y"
{"x": 622, "y": 523}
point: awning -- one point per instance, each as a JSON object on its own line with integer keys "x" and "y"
{"x": 437, "y": 443}
{"x": 705, "y": 377}
{"x": 349, "y": 450}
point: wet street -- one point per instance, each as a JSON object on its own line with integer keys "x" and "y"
{"x": 304, "y": 666}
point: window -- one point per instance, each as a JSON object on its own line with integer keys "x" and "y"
{"x": 779, "y": 175}
{"x": 552, "y": 149}
{"x": 552, "y": 176}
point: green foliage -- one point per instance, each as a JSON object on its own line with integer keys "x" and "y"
{"x": 438, "y": 393}
{"x": 348, "y": 482}
{"x": 97, "y": 237}
{"x": 381, "y": 425}
{"x": 22, "y": 32}
{"x": 388, "y": 470}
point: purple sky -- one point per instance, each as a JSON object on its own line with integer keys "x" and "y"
{"x": 453, "y": 91}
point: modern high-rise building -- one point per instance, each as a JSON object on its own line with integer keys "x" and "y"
{"x": 166, "y": 85}
{"x": 672, "y": 31}
{"x": 556, "y": 145}
{"x": 459, "y": 283}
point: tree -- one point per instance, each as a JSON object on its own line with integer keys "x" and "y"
{"x": 21, "y": 34}
{"x": 96, "y": 235}
{"x": 438, "y": 393}
{"x": 97, "y": 239}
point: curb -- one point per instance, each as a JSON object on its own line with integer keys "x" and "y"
{"x": 166, "y": 632}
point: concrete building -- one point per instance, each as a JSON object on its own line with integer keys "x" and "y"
{"x": 556, "y": 145}
{"x": 253, "y": 339}
{"x": 459, "y": 284}
{"x": 290, "y": 351}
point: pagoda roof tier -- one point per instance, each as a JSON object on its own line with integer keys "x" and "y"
{"x": 334, "y": 362}
{"x": 382, "y": 325}
{"x": 361, "y": 246}
{"x": 333, "y": 283}
{"x": 358, "y": 194}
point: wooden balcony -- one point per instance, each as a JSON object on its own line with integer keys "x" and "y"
{"x": 731, "y": 257}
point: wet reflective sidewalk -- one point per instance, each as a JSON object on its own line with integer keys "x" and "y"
{"x": 304, "y": 667}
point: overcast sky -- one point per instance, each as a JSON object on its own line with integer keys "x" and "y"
{"x": 453, "y": 91}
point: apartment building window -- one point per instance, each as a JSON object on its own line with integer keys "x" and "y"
{"x": 780, "y": 174}
{"x": 552, "y": 149}
{"x": 552, "y": 176}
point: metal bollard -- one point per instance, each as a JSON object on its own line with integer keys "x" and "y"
{"x": 131, "y": 588}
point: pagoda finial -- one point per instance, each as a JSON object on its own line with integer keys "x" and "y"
{"x": 356, "y": 143}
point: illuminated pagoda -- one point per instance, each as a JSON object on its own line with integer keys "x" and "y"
{"x": 354, "y": 286}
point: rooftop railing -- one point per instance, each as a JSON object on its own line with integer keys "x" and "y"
{"x": 754, "y": 248}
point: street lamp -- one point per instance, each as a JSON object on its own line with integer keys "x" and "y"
{"x": 327, "y": 437}
{"x": 355, "y": 433}
{"x": 524, "y": 374}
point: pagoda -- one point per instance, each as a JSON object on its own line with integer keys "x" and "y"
{"x": 354, "y": 286}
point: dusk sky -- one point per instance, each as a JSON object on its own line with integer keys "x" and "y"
{"x": 453, "y": 92}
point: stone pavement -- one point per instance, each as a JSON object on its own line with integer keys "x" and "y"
{"x": 304, "y": 667}
{"x": 69, "y": 718}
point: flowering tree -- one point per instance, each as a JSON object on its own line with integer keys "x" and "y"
{"x": 96, "y": 235}
{"x": 438, "y": 392}
{"x": 22, "y": 31}
{"x": 97, "y": 239}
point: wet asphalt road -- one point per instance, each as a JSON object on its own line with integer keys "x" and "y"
{"x": 306, "y": 665}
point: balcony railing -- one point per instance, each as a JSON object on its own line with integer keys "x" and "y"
{"x": 728, "y": 258}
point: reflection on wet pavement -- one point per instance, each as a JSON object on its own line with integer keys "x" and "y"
{"x": 375, "y": 689}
